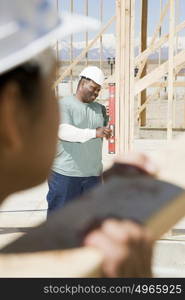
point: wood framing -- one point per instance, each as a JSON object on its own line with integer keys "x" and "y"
{"x": 83, "y": 53}
{"x": 155, "y": 75}
{"x": 101, "y": 38}
{"x": 144, "y": 26}
{"x": 163, "y": 14}
{"x": 157, "y": 45}
{"x": 171, "y": 69}
{"x": 71, "y": 49}
{"x": 124, "y": 75}
{"x": 86, "y": 33}
{"x": 151, "y": 70}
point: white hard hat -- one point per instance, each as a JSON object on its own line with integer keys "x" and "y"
{"x": 93, "y": 73}
{"x": 27, "y": 27}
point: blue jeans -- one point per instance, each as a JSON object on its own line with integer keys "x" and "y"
{"x": 63, "y": 189}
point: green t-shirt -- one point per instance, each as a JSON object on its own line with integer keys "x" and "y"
{"x": 80, "y": 159}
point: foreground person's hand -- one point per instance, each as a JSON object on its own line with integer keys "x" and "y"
{"x": 138, "y": 159}
{"x": 131, "y": 163}
{"x": 127, "y": 248}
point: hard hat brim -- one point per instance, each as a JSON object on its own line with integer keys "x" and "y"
{"x": 68, "y": 24}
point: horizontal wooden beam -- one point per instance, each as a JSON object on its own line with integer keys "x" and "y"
{"x": 162, "y": 128}
{"x": 165, "y": 84}
{"x": 155, "y": 75}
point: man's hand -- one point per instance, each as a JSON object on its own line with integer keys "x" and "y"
{"x": 102, "y": 132}
{"x": 107, "y": 132}
{"x": 127, "y": 248}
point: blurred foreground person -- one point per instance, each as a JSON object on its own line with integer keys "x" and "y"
{"x": 29, "y": 122}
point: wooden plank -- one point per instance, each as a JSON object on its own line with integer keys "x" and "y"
{"x": 57, "y": 54}
{"x": 122, "y": 108}
{"x": 164, "y": 12}
{"x": 71, "y": 50}
{"x": 132, "y": 79}
{"x": 101, "y": 40}
{"x": 159, "y": 51}
{"x": 177, "y": 14}
{"x": 86, "y": 33}
{"x": 155, "y": 75}
{"x": 124, "y": 83}
{"x": 165, "y": 84}
{"x": 142, "y": 67}
{"x": 144, "y": 25}
{"x": 160, "y": 31}
{"x": 83, "y": 53}
{"x": 125, "y": 88}
{"x": 157, "y": 45}
{"x": 179, "y": 68}
{"x": 117, "y": 75}
{"x": 101, "y": 44}
{"x": 171, "y": 69}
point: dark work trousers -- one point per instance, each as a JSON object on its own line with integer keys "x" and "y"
{"x": 63, "y": 189}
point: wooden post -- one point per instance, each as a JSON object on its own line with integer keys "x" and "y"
{"x": 177, "y": 14}
{"x": 152, "y": 45}
{"x": 86, "y": 33}
{"x": 156, "y": 32}
{"x": 101, "y": 44}
{"x": 132, "y": 74}
{"x": 124, "y": 74}
{"x": 171, "y": 69}
{"x": 117, "y": 75}
{"x": 160, "y": 30}
{"x": 101, "y": 41}
{"x": 57, "y": 56}
{"x": 71, "y": 49}
{"x": 144, "y": 21}
{"x": 160, "y": 52}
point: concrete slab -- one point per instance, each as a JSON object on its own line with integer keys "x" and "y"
{"x": 31, "y": 199}
{"x": 169, "y": 258}
{"x": 13, "y": 224}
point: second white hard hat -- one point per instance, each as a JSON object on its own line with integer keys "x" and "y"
{"x": 93, "y": 73}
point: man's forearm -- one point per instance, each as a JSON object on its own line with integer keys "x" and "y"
{"x": 74, "y": 134}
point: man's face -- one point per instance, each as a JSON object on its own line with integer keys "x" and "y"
{"x": 90, "y": 91}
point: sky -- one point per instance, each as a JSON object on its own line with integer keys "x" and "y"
{"x": 109, "y": 7}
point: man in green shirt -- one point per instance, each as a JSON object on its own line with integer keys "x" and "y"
{"x": 78, "y": 163}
